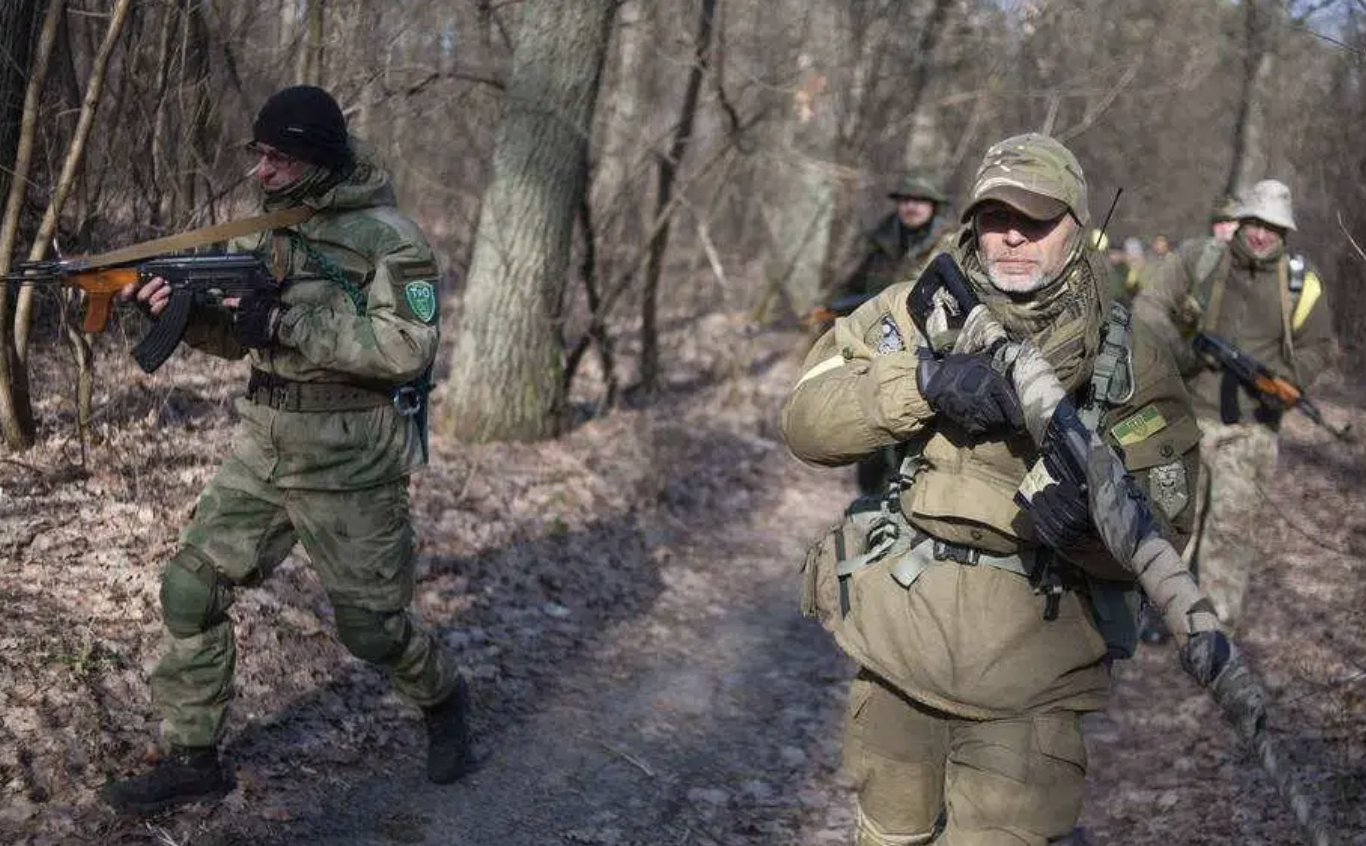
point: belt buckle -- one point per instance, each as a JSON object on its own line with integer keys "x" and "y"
{"x": 279, "y": 397}
{"x": 961, "y": 553}
{"x": 407, "y": 401}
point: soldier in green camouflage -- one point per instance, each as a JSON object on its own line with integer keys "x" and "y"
{"x": 901, "y": 243}
{"x": 340, "y": 357}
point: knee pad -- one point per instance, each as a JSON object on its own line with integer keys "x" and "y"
{"x": 375, "y": 636}
{"x": 194, "y": 598}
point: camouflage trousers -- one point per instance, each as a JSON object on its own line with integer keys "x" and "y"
{"x": 925, "y": 776}
{"x": 360, "y": 544}
{"x": 1237, "y": 462}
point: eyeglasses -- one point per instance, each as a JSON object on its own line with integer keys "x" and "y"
{"x": 1003, "y": 218}
{"x": 271, "y": 156}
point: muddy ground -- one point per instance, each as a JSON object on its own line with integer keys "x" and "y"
{"x": 624, "y": 602}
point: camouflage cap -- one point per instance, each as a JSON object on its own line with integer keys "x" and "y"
{"x": 917, "y": 187}
{"x": 1033, "y": 173}
{"x": 1268, "y": 200}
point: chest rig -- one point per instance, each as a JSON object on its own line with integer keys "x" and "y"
{"x": 889, "y": 534}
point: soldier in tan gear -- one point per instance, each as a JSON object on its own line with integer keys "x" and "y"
{"x": 330, "y": 431}
{"x": 1252, "y": 291}
{"x": 984, "y": 630}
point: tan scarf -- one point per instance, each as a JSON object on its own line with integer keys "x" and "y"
{"x": 1064, "y": 319}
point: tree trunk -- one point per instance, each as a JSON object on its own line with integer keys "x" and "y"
{"x": 311, "y": 56}
{"x": 16, "y": 404}
{"x": 1259, "y": 63}
{"x": 18, "y": 22}
{"x": 507, "y": 369}
{"x": 667, "y": 173}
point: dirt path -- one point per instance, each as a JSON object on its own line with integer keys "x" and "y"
{"x": 713, "y": 718}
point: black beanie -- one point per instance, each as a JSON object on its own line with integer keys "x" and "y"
{"x": 305, "y": 122}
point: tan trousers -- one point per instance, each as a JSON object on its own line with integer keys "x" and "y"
{"x": 1011, "y": 782}
{"x": 1237, "y": 463}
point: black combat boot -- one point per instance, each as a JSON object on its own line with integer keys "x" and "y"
{"x": 185, "y": 775}
{"x": 448, "y": 737}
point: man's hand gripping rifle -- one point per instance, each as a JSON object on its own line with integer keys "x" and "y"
{"x": 949, "y": 315}
{"x": 195, "y": 281}
{"x": 1274, "y": 392}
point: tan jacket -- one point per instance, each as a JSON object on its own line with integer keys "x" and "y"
{"x": 978, "y": 645}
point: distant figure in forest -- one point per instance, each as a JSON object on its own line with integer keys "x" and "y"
{"x": 1250, "y": 290}
{"x": 898, "y": 246}
{"x": 332, "y": 424}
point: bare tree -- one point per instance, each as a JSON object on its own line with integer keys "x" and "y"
{"x": 507, "y": 370}
{"x": 667, "y": 172}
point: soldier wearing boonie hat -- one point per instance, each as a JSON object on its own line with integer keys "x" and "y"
{"x": 1268, "y": 301}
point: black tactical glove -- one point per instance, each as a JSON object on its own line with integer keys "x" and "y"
{"x": 966, "y": 390}
{"x": 1215, "y": 663}
{"x": 257, "y": 319}
{"x": 1062, "y": 514}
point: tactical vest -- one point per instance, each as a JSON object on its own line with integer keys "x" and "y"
{"x": 876, "y": 528}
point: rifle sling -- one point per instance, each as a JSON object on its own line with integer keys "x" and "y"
{"x": 201, "y": 237}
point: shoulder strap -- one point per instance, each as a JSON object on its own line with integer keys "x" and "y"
{"x": 202, "y": 237}
{"x": 1112, "y": 378}
{"x": 1283, "y": 274}
{"x": 1211, "y": 278}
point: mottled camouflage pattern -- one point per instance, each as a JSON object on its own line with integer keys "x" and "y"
{"x": 325, "y": 338}
{"x": 918, "y": 187}
{"x": 336, "y": 482}
{"x": 360, "y": 544}
{"x": 1033, "y": 164}
{"x": 1238, "y": 462}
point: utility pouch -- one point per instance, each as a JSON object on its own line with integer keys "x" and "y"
{"x": 824, "y": 594}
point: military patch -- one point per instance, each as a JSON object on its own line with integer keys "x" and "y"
{"x": 421, "y": 298}
{"x": 1140, "y": 426}
{"x": 414, "y": 269}
{"x": 1167, "y": 486}
{"x": 889, "y": 337}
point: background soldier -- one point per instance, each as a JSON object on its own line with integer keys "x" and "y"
{"x": 1268, "y": 302}
{"x": 981, "y": 623}
{"x": 323, "y": 452}
{"x": 902, "y": 241}
{"x": 900, "y": 244}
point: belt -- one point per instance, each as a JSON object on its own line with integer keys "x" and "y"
{"x": 918, "y": 559}
{"x": 289, "y": 395}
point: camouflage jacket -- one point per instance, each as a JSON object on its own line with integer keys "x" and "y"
{"x": 893, "y": 254}
{"x": 360, "y": 308}
{"x": 1250, "y": 313}
{"x": 983, "y": 648}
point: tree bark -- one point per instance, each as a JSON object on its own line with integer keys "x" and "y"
{"x": 667, "y": 174}
{"x": 507, "y": 369}
{"x": 16, "y": 405}
{"x": 1259, "y": 64}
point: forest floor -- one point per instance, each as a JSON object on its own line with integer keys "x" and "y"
{"x": 624, "y": 601}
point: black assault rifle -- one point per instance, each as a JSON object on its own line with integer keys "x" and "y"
{"x": 1274, "y": 392}
{"x": 196, "y": 281}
